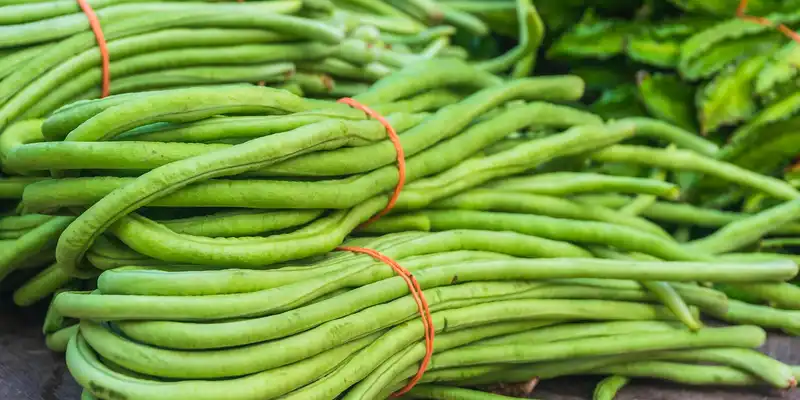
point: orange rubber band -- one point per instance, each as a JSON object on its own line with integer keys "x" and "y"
{"x": 740, "y": 12}
{"x": 398, "y": 147}
{"x": 422, "y": 305}
{"x": 94, "y": 22}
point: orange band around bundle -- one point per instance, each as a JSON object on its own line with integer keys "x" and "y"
{"x": 94, "y": 22}
{"x": 398, "y": 147}
{"x": 422, "y": 306}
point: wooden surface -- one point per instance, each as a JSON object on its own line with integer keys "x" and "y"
{"x": 29, "y": 371}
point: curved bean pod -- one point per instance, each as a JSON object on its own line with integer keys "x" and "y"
{"x": 18, "y": 225}
{"x": 185, "y": 106}
{"x": 152, "y": 239}
{"x": 571, "y": 331}
{"x": 563, "y": 229}
{"x": 748, "y": 230}
{"x": 689, "y": 161}
{"x": 680, "y": 213}
{"x": 491, "y": 200}
{"x": 16, "y": 59}
{"x": 13, "y": 187}
{"x": 740, "y": 312}
{"x": 23, "y": 132}
{"x": 197, "y": 77}
{"x": 781, "y": 295}
{"x": 569, "y": 183}
{"x": 45, "y": 283}
{"x": 89, "y": 371}
{"x": 427, "y": 75}
{"x": 42, "y": 237}
{"x": 239, "y": 223}
{"x": 453, "y": 393}
{"x": 772, "y": 371}
{"x": 59, "y": 340}
{"x": 686, "y": 374}
{"x": 608, "y": 388}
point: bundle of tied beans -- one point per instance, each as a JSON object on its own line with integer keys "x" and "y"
{"x": 524, "y": 274}
{"x": 50, "y": 58}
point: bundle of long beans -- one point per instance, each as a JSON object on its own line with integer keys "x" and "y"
{"x": 49, "y": 58}
{"x": 202, "y": 239}
{"x": 532, "y": 261}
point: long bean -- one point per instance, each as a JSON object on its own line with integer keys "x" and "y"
{"x": 42, "y": 237}
{"x": 679, "y": 213}
{"x": 45, "y": 283}
{"x": 562, "y": 229}
{"x": 608, "y": 388}
{"x": 452, "y": 393}
{"x": 748, "y": 230}
{"x": 570, "y": 183}
{"x": 89, "y": 371}
{"x": 492, "y": 200}
{"x": 684, "y": 160}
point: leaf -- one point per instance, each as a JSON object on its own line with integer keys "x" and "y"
{"x": 592, "y": 39}
{"x": 668, "y": 98}
{"x": 653, "y": 52}
{"x": 660, "y": 45}
{"x": 750, "y": 134}
{"x": 681, "y": 28}
{"x": 701, "y": 43}
{"x": 723, "y": 54}
{"x": 778, "y": 144}
{"x": 618, "y": 103}
{"x": 728, "y": 98}
{"x": 779, "y": 75}
{"x": 728, "y": 7}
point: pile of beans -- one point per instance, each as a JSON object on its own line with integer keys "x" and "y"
{"x": 221, "y": 226}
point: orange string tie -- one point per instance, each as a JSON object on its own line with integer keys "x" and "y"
{"x": 422, "y": 306}
{"x": 398, "y": 147}
{"x": 741, "y": 13}
{"x": 94, "y": 22}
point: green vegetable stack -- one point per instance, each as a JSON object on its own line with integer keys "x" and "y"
{"x": 49, "y": 56}
{"x": 516, "y": 248}
{"x": 315, "y": 48}
{"x": 234, "y": 241}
